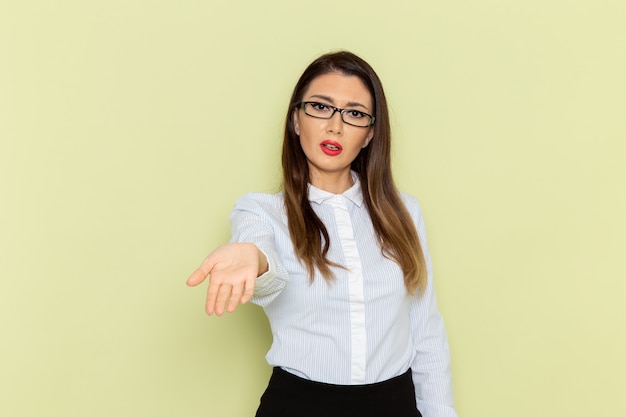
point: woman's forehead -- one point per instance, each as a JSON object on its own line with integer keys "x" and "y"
{"x": 339, "y": 89}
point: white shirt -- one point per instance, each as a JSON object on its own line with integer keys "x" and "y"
{"x": 361, "y": 328}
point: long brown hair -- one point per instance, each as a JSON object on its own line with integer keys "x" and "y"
{"x": 395, "y": 230}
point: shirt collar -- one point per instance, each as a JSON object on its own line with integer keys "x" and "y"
{"x": 353, "y": 193}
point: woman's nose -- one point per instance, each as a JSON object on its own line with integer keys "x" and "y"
{"x": 335, "y": 123}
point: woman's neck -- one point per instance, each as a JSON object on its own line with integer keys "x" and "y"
{"x": 335, "y": 183}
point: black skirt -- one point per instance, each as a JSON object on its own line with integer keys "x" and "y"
{"x": 288, "y": 395}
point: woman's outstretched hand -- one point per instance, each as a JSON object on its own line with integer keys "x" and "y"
{"x": 233, "y": 268}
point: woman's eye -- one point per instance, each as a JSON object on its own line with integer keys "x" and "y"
{"x": 355, "y": 114}
{"x": 319, "y": 106}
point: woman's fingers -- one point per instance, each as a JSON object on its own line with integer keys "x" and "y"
{"x": 248, "y": 291}
{"x": 226, "y": 295}
{"x": 215, "y": 286}
{"x": 223, "y": 294}
{"x": 235, "y": 297}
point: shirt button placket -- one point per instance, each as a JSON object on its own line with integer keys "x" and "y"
{"x": 355, "y": 288}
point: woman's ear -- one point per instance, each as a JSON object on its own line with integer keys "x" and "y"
{"x": 368, "y": 138}
{"x": 296, "y": 122}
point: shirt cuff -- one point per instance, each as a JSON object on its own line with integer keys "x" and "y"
{"x": 268, "y": 276}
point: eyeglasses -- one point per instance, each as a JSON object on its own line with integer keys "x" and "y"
{"x": 325, "y": 111}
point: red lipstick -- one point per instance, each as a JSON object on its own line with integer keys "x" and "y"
{"x": 330, "y": 147}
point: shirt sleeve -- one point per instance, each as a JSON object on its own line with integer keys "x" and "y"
{"x": 431, "y": 365}
{"x": 251, "y": 222}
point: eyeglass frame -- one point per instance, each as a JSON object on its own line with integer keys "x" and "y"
{"x": 303, "y": 104}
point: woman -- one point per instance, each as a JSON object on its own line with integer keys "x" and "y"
{"x": 338, "y": 261}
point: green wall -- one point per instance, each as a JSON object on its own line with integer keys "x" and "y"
{"x": 128, "y": 128}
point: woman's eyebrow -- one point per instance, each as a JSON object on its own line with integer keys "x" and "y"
{"x": 331, "y": 101}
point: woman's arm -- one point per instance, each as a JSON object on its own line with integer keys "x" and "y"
{"x": 250, "y": 266}
{"x": 431, "y": 366}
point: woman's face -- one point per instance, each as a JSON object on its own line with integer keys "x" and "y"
{"x": 330, "y": 145}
